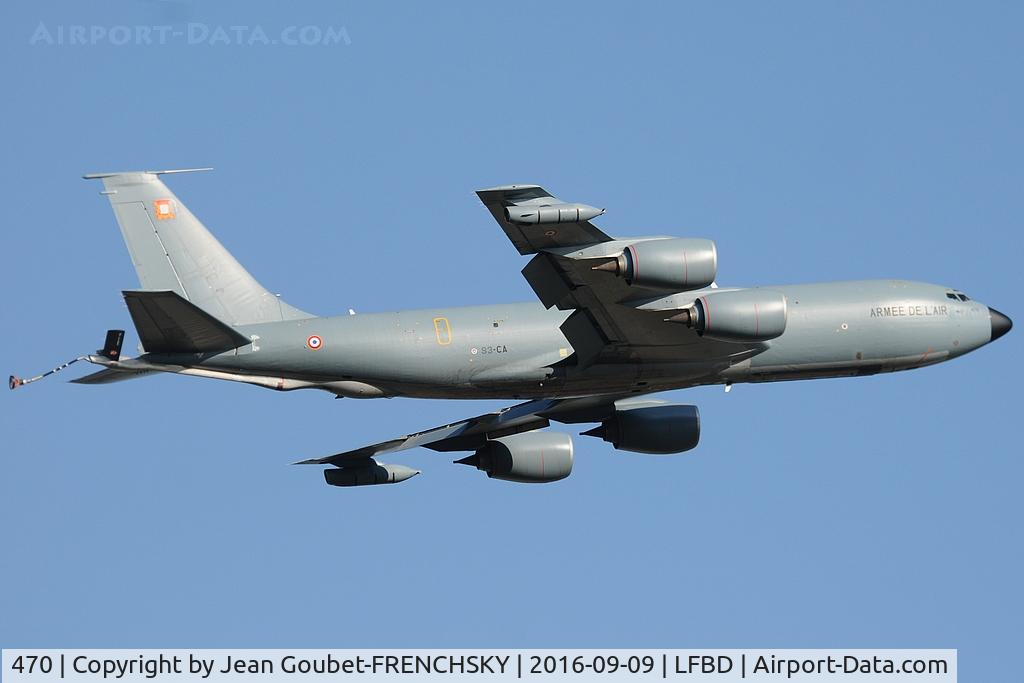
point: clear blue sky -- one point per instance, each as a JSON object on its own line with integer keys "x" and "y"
{"x": 811, "y": 141}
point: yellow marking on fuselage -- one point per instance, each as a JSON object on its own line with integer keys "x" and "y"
{"x": 443, "y": 331}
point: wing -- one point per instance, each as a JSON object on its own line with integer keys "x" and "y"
{"x": 611, "y": 321}
{"x": 524, "y": 212}
{"x": 473, "y": 433}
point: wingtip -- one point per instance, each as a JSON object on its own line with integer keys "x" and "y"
{"x": 508, "y": 188}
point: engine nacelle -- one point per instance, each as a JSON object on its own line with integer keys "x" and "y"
{"x": 675, "y": 265}
{"x": 743, "y": 315}
{"x": 557, "y": 213}
{"x": 659, "y": 429}
{"x": 369, "y": 475}
{"x": 530, "y": 457}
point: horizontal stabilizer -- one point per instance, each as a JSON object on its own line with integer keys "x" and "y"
{"x": 168, "y": 323}
{"x": 111, "y": 375}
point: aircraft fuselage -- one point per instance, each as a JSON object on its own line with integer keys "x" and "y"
{"x": 833, "y": 329}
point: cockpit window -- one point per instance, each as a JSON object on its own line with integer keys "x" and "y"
{"x": 951, "y": 295}
{"x": 957, "y": 296}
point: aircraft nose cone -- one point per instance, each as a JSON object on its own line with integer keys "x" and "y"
{"x": 1001, "y": 324}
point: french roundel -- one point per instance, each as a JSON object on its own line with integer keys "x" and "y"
{"x": 314, "y": 342}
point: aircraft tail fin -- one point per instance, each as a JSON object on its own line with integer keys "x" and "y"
{"x": 167, "y": 323}
{"x": 173, "y": 251}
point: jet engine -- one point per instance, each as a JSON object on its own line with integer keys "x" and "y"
{"x": 675, "y": 265}
{"x": 742, "y": 315}
{"x": 530, "y": 457}
{"x": 558, "y": 213}
{"x": 659, "y": 429}
{"x": 369, "y": 474}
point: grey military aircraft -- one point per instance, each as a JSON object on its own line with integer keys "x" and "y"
{"x": 618, "y": 319}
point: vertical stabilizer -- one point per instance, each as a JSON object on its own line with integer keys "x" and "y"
{"x": 172, "y": 250}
